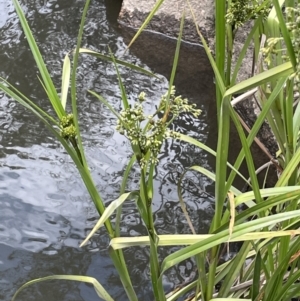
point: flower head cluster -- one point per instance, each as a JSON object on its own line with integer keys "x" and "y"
{"x": 240, "y": 11}
{"x": 271, "y": 49}
{"x": 178, "y": 105}
{"x": 68, "y": 129}
{"x": 148, "y": 132}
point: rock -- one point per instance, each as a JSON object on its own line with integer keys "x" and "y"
{"x": 167, "y": 18}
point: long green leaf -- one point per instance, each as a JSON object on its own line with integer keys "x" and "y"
{"x": 119, "y": 62}
{"x": 221, "y": 163}
{"x": 103, "y": 100}
{"x": 223, "y": 236}
{"x": 212, "y": 176}
{"x": 175, "y": 61}
{"x": 124, "y": 276}
{"x": 285, "y": 33}
{"x": 101, "y": 292}
{"x": 201, "y": 145}
{"x": 256, "y": 127}
{"x": 292, "y": 279}
{"x": 282, "y": 71}
{"x": 266, "y": 192}
{"x": 108, "y": 212}
{"x": 74, "y": 87}
{"x": 220, "y": 24}
{"x": 65, "y": 80}
{"x": 288, "y": 171}
{"x": 53, "y": 96}
{"x": 41, "y": 115}
{"x": 122, "y": 88}
{"x": 256, "y": 278}
{"x": 26, "y": 102}
{"x": 242, "y": 54}
{"x": 148, "y": 19}
{"x": 219, "y": 77}
{"x": 190, "y": 239}
{"x": 248, "y": 155}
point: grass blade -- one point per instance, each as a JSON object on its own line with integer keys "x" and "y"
{"x": 119, "y": 62}
{"x": 108, "y": 212}
{"x": 53, "y": 96}
{"x": 191, "y": 239}
{"x": 148, "y": 19}
{"x": 256, "y": 278}
{"x": 212, "y": 176}
{"x": 201, "y": 145}
{"x": 175, "y": 61}
{"x": 288, "y": 171}
{"x": 101, "y": 292}
{"x": 266, "y": 109}
{"x": 223, "y": 236}
{"x": 103, "y": 100}
{"x": 26, "y": 102}
{"x": 285, "y": 33}
{"x": 218, "y": 76}
{"x": 65, "y": 80}
{"x": 278, "y": 72}
{"x": 122, "y": 88}
{"x": 73, "y": 85}
{"x": 242, "y": 54}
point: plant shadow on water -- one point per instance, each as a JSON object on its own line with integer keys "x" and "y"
{"x": 45, "y": 210}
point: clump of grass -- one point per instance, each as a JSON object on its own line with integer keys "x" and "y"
{"x": 266, "y": 266}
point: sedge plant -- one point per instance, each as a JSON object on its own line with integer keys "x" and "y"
{"x": 266, "y": 265}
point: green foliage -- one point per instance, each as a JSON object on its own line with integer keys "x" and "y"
{"x": 241, "y": 11}
{"x": 266, "y": 266}
{"x": 149, "y": 138}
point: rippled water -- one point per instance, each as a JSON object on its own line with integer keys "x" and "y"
{"x": 45, "y": 211}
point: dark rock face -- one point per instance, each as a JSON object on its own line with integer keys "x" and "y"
{"x": 167, "y": 18}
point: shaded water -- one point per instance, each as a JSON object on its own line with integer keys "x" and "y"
{"x": 45, "y": 211}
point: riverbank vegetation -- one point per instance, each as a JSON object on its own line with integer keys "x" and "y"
{"x": 264, "y": 220}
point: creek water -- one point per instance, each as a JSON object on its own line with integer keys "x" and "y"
{"x": 45, "y": 210}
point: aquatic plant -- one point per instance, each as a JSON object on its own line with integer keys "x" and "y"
{"x": 266, "y": 266}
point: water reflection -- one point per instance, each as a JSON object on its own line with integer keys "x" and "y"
{"x": 45, "y": 209}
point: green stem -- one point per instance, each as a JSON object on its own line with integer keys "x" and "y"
{"x": 116, "y": 256}
{"x": 119, "y": 263}
{"x": 230, "y": 38}
{"x": 154, "y": 261}
{"x": 220, "y": 25}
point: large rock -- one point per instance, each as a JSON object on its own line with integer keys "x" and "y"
{"x": 167, "y": 18}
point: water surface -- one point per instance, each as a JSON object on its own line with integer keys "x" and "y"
{"x": 45, "y": 209}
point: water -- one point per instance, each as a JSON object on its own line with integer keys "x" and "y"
{"x": 45, "y": 209}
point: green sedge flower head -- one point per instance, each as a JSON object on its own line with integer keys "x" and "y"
{"x": 142, "y": 96}
{"x": 147, "y": 133}
{"x": 241, "y": 11}
{"x": 67, "y": 127}
{"x": 68, "y": 132}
